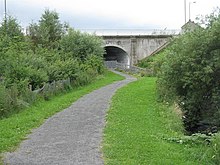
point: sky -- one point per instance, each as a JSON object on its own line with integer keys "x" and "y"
{"x": 111, "y": 14}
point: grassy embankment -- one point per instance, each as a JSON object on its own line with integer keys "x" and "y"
{"x": 15, "y": 128}
{"x": 140, "y": 130}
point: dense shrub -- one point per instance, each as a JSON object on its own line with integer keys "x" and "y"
{"x": 62, "y": 70}
{"x": 18, "y": 66}
{"x": 81, "y": 45}
{"x": 6, "y": 101}
{"x": 95, "y": 63}
{"x": 46, "y": 61}
{"x": 190, "y": 76}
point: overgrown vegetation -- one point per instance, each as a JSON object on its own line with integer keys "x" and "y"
{"x": 188, "y": 72}
{"x": 140, "y": 130}
{"x": 153, "y": 63}
{"x": 190, "y": 76}
{"x": 51, "y": 51}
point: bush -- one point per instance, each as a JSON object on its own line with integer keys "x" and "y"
{"x": 20, "y": 66}
{"x": 54, "y": 88}
{"x": 81, "y": 45}
{"x": 9, "y": 101}
{"x": 95, "y": 63}
{"x": 62, "y": 70}
{"x": 190, "y": 76}
{"x": 46, "y": 57}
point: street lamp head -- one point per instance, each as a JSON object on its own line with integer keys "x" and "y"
{"x": 189, "y": 8}
{"x": 190, "y": 2}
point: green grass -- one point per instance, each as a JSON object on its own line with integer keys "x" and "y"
{"x": 138, "y": 129}
{"x": 15, "y": 128}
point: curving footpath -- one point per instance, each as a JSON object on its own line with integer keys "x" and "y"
{"x": 72, "y": 136}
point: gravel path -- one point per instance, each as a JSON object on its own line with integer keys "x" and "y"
{"x": 72, "y": 136}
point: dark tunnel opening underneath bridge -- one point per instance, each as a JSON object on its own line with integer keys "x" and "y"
{"x": 113, "y": 53}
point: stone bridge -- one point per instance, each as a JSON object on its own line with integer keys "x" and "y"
{"x": 130, "y": 49}
{"x": 130, "y": 46}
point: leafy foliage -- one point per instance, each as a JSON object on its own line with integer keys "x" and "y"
{"x": 81, "y": 45}
{"x": 48, "y": 31}
{"x": 47, "y": 54}
{"x": 190, "y": 76}
{"x": 11, "y": 29}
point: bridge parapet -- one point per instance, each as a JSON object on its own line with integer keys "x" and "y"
{"x": 132, "y": 32}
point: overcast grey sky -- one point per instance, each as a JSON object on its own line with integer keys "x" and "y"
{"x": 111, "y": 14}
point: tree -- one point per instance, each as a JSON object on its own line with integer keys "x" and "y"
{"x": 81, "y": 45}
{"x": 48, "y": 31}
{"x": 11, "y": 28}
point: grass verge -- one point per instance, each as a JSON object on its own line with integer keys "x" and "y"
{"x": 15, "y": 128}
{"x": 140, "y": 130}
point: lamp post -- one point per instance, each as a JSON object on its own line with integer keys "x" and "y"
{"x": 189, "y": 9}
{"x": 5, "y": 10}
{"x": 185, "y": 10}
{"x": 5, "y": 18}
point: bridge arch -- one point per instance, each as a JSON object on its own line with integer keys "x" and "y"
{"x": 116, "y": 53}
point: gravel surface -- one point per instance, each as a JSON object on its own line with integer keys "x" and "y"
{"x": 72, "y": 136}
